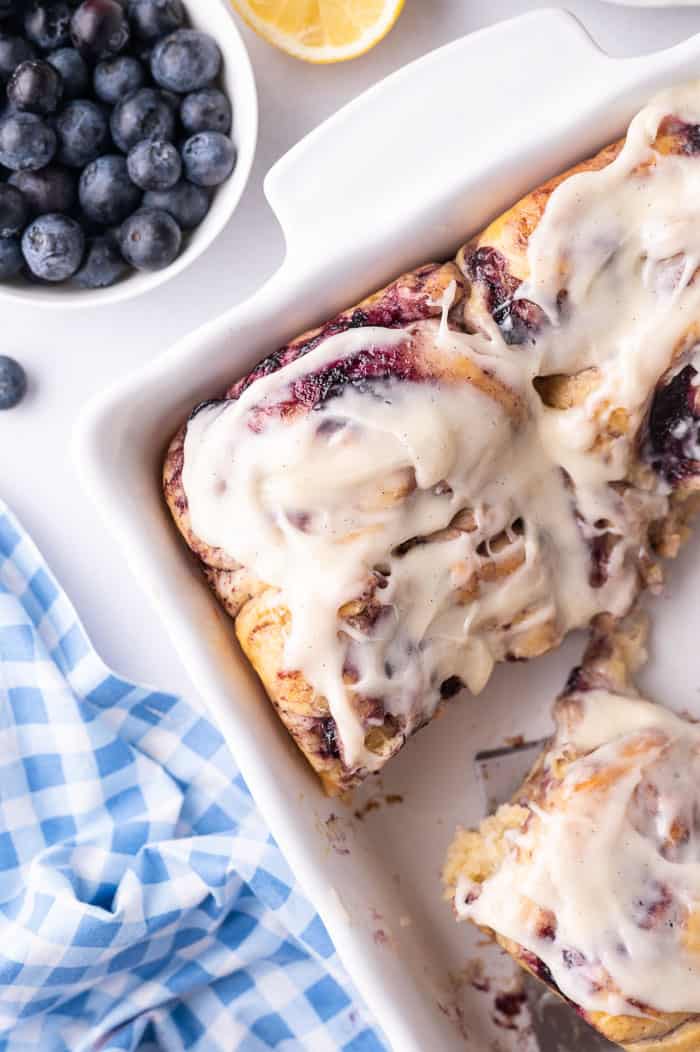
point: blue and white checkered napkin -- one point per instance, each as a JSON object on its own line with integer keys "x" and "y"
{"x": 143, "y": 903}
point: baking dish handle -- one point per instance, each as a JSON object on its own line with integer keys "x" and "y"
{"x": 399, "y": 152}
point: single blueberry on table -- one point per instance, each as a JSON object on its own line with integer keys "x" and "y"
{"x": 14, "y": 212}
{"x": 13, "y": 50}
{"x": 53, "y": 247}
{"x": 187, "y": 204}
{"x": 155, "y": 18}
{"x": 206, "y": 110}
{"x": 99, "y": 28}
{"x": 81, "y": 127}
{"x": 13, "y": 382}
{"x": 51, "y": 189}
{"x": 73, "y": 68}
{"x": 186, "y": 61}
{"x": 104, "y": 264}
{"x": 35, "y": 87}
{"x": 150, "y": 239}
{"x": 11, "y": 259}
{"x": 154, "y": 165}
{"x": 208, "y": 158}
{"x": 117, "y": 77}
{"x": 26, "y": 142}
{"x": 107, "y": 194}
{"x": 146, "y": 114}
{"x": 47, "y": 24}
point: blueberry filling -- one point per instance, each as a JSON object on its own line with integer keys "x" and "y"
{"x": 657, "y": 909}
{"x": 396, "y": 306}
{"x": 601, "y": 550}
{"x": 673, "y": 428}
{"x": 450, "y": 686}
{"x": 510, "y": 1004}
{"x": 687, "y": 136}
{"x": 577, "y": 681}
{"x": 518, "y": 320}
{"x": 206, "y": 404}
{"x": 379, "y": 363}
{"x": 572, "y": 958}
{"x": 328, "y": 735}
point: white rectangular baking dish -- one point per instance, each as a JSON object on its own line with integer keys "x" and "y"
{"x": 655, "y": 3}
{"x": 400, "y": 176}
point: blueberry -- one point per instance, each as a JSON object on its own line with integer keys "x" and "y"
{"x": 144, "y": 115}
{"x": 208, "y": 158}
{"x": 14, "y": 212}
{"x": 115, "y": 78}
{"x": 206, "y": 110}
{"x": 186, "y": 60}
{"x": 154, "y": 165}
{"x": 48, "y": 24}
{"x": 82, "y": 132}
{"x": 155, "y": 18}
{"x": 150, "y": 239}
{"x": 13, "y": 382}
{"x": 11, "y": 261}
{"x": 99, "y": 28}
{"x": 143, "y": 53}
{"x": 26, "y": 142}
{"x": 173, "y": 100}
{"x": 35, "y": 86}
{"x": 53, "y": 247}
{"x": 51, "y": 189}
{"x": 104, "y": 264}
{"x": 7, "y": 8}
{"x": 107, "y": 194}
{"x": 13, "y": 50}
{"x": 187, "y": 204}
{"x": 71, "y": 65}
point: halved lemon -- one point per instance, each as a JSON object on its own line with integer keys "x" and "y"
{"x": 321, "y": 30}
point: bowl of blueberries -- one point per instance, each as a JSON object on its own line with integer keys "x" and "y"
{"x": 127, "y": 134}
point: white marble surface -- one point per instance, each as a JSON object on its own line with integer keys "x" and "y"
{"x": 70, "y": 356}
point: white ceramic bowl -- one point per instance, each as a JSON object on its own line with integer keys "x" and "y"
{"x": 552, "y": 98}
{"x": 215, "y": 17}
{"x": 655, "y": 3}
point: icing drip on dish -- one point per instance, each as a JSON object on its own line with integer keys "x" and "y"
{"x": 422, "y": 511}
{"x": 610, "y": 854}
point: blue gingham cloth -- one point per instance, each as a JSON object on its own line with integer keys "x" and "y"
{"x": 143, "y": 902}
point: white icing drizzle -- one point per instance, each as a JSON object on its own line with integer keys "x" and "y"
{"x": 612, "y": 853}
{"x": 448, "y": 298}
{"x": 315, "y": 502}
{"x": 624, "y": 242}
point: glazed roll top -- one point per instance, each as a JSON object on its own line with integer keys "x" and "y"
{"x": 469, "y": 465}
{"x": 391, "y": 468}
{"x": 600, "y": 876}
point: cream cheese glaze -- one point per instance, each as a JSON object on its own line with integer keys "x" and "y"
{"x": 327, "y": 502}
{"x": 611, "y": 854}
{"x": 315, "y": 505}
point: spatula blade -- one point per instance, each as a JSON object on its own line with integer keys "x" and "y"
{"x": 555, "y": 1025}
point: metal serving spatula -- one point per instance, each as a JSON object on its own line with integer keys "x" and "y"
{"x": 555, "y": 1025}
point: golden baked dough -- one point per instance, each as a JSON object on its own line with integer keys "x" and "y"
{"x": 473, "y": 300}
{"x": 601, "y": 690}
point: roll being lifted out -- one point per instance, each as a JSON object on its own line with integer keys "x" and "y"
{"x": 589, "y": 877}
